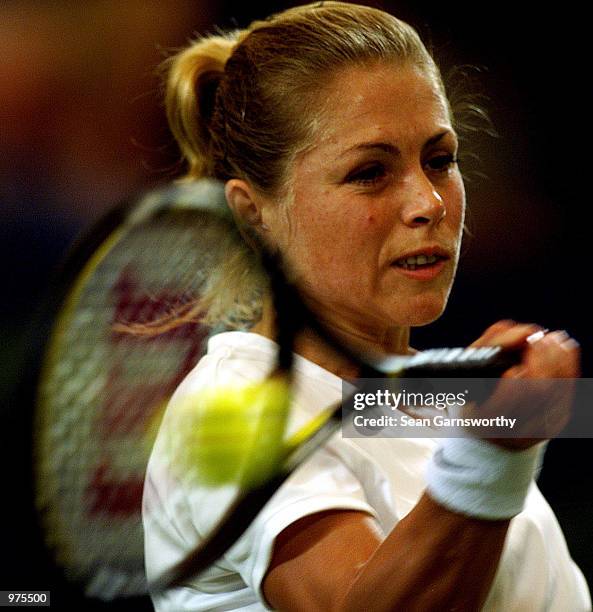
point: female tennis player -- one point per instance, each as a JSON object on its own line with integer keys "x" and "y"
{"x": 330, "y": 125}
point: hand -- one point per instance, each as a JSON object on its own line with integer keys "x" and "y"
{"x": 541, "y": 409}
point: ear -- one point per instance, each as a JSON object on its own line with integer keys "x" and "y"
{"x": 244, "y": 202}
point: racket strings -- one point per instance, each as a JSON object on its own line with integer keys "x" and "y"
{"x": 104, "y": 389}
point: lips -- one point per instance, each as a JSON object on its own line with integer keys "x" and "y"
{"x": 421, "y": 258}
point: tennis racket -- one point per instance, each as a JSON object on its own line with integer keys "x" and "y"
{"x": 103, "y": 378}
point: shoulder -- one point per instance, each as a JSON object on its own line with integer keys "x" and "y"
{"x": 536, "y": 570}
{"x": 231, "y": 357}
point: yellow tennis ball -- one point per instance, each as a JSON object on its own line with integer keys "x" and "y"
{"x": 235, "y": 434}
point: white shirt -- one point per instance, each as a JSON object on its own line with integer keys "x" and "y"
{"x": 381, "y": 476}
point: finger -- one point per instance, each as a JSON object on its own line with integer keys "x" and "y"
{"x": 518, "y": 371}
{"x": 497, "y": 328}
{"x": 572, "y": 350}
{"x": 557, "y": 355}
{"x": 509, "y": 337}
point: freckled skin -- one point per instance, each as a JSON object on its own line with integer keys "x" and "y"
{"x": 344, "y": 235}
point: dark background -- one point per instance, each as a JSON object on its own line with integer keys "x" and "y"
{"x": 82, "y": 127}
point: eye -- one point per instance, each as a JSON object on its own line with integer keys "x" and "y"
{"x": 442, "y": 162}
{"x": 368, "y": 175}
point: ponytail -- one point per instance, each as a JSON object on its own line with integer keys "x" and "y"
{"x": 193, "y": 76}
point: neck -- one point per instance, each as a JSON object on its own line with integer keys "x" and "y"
{"x": 308, "y": 344}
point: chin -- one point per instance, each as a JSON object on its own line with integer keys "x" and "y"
{"x": 421, "y": 321}
{"x": 424, "y": 312}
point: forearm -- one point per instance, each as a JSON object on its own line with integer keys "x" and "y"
{"x": 442, "y": 556}
{"x": 434, "y": 559}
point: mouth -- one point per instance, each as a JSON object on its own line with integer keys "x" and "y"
{"x": 423, "y": 264}
{"x": 421, "y": 258}
{"x": 418, "y": 261}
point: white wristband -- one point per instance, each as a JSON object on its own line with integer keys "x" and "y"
{"x": 479, "y": 479}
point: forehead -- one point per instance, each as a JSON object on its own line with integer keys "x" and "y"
{"x": 399, "y": 102}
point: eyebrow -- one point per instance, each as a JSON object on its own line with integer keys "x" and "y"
{"x": 389, "y": 148}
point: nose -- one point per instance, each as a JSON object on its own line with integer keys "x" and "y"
{"x": 423, "y": 205}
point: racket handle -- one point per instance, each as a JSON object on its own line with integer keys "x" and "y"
{"x": 471, "y": 362}
{"x": 484, "y": 362}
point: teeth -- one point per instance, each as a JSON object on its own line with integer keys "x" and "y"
{"x": 416, "y": 260}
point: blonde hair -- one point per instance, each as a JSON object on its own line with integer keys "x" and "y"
{"x": 244, "y": 103}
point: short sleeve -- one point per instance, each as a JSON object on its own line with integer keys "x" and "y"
{"x": 322, "y": 483}
{"x": 181, "y": 512}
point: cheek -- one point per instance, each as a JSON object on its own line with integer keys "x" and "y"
{"x": 347, "y": 239}
{"x": 338, "y": 245}
{"x": 456, "y": 201}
